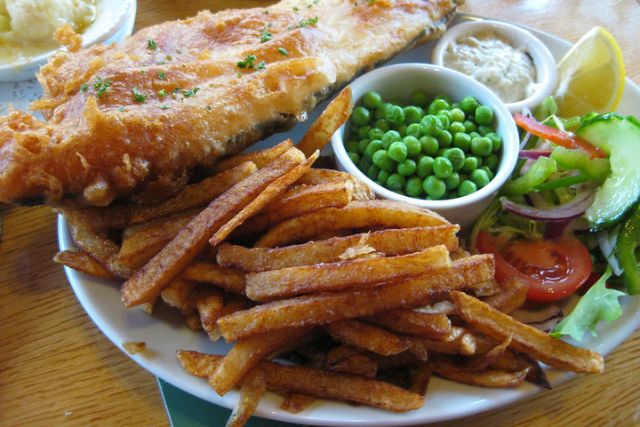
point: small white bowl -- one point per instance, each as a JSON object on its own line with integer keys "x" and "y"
{"x": 398, "y": 82}
{"x": 111, "y": 15}
{"x": 545, "y": 65}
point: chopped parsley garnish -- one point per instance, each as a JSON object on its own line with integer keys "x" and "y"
{"x": 151, "y": 44}
{"x": 308, "y": 21}
{"x": 295, "y": 8}
{"x": 179, "y": 51}
{"x": 239, "y": 74}
{"x": 121, "y": 109}
{"x": 176, "y": 90}
{"x": 165, "y": 107}
{"x": 162, "y": 75}
{"x": 261, "y": 65}
{"x": 101, "y": 86}
{"x": 283, "y": 51}
{"x": 84, "y": 87}
{"x": 209, "y": 108}
{"x": 188, "y": 93}
{"x": 162, "y": 93}
{"x": 138, "y": 96}
{"x": 169, "y": 57}
{"x": 265, "y": 36}
{"x": 248, "y": 62}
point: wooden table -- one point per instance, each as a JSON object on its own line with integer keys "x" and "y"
{"x": 56, "y": 367}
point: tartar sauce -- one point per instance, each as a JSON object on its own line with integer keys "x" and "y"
{"x": 491, "y": 60}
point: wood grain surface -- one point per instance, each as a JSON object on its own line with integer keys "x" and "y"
{"x": 56, "y": 367}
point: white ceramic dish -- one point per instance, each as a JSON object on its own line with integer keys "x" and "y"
{"x": 111, "y": 16}
{"x": 520, "y": 38}
{"x": 399, "y": 81}
{"x": 164, "y": 332}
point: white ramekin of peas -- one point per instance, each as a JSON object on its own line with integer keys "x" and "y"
{"x": 428, "y": 136}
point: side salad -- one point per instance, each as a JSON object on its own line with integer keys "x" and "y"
{"x": 568, "y": 221}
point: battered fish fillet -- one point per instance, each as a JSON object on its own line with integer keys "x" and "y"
{"x": 137, "y": 119}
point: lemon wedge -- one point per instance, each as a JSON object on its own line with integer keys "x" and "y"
{"x": 591, "y": 75}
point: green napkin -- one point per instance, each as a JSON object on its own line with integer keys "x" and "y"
{"x": 185, "y": 410}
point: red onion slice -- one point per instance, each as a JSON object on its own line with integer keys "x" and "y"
{"x": 569, "y": 210}
{"x": 533, "y": 154}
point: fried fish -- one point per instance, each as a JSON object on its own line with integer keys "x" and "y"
{"x": 134, "y": 121}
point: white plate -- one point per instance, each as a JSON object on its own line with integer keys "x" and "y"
{"x": 165, "y": 332}
{"x": 111, "y": 17}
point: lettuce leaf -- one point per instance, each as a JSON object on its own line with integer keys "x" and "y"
{"x": 599, "y": 303}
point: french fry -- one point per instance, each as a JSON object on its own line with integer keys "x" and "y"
{"x": 314, "y": 382}
{"x": 247, "y": 354}
{"x": 485, "y": 289}
{"x": 82, "y": 262}
{"x": 340, "y": 352}
{"x": 209, "y": 303}
{"x": 512, "y": 296}
{"x": 418, "y": 349}
{"x": 526, "y": 339}
{"x": 413, "y": 323}
{"x": 140, "y": 245}
{"x": 191, "y": 196}
{"x": 259, "y": 158}
{"x": 252, "y": 389}
{"x": 298, "y": 201}
{"x": 420, "y": 377}
{"x": 317, "y": 176}
{"x": 484, "y": 360}
{"x": 391, "y": 242}
{"x": 178, "y": 294}
{"x": 357, "y": 214}
{"x": 296, "y": 403}
{"x": 460, "y": 341}
{"x": 326, "y": 308}
{"x": 334, "y": 116}
{"x": 486, "y": 378}
{"x": 273, "y": 190}
{"x": 286, "y": 282}
{"x": 146, "y": 283}
{"x": 229, "y": 279}
{"x": 193, "y": 322}
{"x": 371, "y": 338}
{"x": 510, "y": 361}
{"x": 358, "y": 364}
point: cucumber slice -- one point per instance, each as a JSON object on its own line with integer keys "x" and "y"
{"x": 620, "y": 137}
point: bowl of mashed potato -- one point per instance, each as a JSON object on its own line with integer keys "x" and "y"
{"x": 33, "y": 30}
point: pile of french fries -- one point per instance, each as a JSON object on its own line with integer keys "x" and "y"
{"x": 368, "y": 297}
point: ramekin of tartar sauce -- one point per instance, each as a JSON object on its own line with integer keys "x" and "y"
{"x": 507, "y": 59}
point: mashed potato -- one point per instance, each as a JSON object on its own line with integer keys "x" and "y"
{"x": 27, "y": 26}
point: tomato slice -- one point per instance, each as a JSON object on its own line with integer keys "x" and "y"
{"x": 553, "y": 269}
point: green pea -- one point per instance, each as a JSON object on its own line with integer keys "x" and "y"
{"x": 390, "y": 136}
{"x": 373, "y": 146}
{"x": 381, "y": 159}
{"x": 496, "y": 141}
{"x": 419, "y": 97}
{"x": 457, "y": 115}
{"x": 469, "y": 126}
{"x": 413, "y": 130}
{"x": 425, "y": 166}
{"x": 442, "y": 167}
{"x": 355, "y": 157}
{"x": 373, "y": 172}
{"x": 456, "y": 128}
{"x": 398, "y": 151}
{"x": 492, "y": 161}
{"x": 372, "y": 100}
{"x": 382, "y": 124}
{"x": 466, "y": 187}
{"x": 407, "y": 167}
{"x": 394, "y": 115}
{"x": 362, "y": 145}
{"x": 456, "y": 157}
{"x": 360, "y": 116}
{"x": 396, "y": 182}
{"x": 481, "y": 146}
{"x": 453, "y": 181}
{"x": 376, "y": 133}
{"x": 445, "y": 138}
{"x": 381, "y": 111}
{"x": 434, "y": 187}
{"x": 462, "y": 141}
{"x": 363, "y": 132}
{"x": 489, "y": 172}
{"x": 471, "y": 163}
{"x": 429, "y": 145}
{"x": 485, "y": 130}
{"x": 365, "y": 163}
{"x": 484, "y": 115}
{"x": 413, "y": 146}
{"x": 474, "y": 135}
{"x": 480, "y": 177}
{"x": 430, "y": 125}
{"x": 351, "y": 146}
{"x": 445, "y": 118}
{"x": 413, "y": 187}
{"x": 403, "y": 130}
{"x": 437, "y": 105}
{"x": 383, "y": 176}
{"x": 441, "y": 151}
{"x": 412, "y": 114}
{"x": 469, "y": 104}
